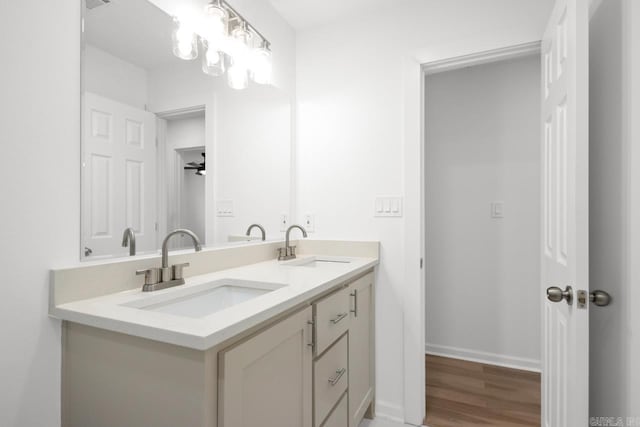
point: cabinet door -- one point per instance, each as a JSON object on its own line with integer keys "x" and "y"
{"x": 361, "y": 365}
{"x": 266, "y": 380}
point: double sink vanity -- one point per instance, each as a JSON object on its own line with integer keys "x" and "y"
{"x": 247, "y": 340}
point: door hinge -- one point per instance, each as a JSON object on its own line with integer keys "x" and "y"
{"x": 157, "y": 227}
{"x": 421, "y": 263}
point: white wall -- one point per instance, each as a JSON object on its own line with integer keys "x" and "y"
{"x": 615, "y": 207}
{"x": 252, "y": 162}
{"x": 114, "y": 78}
{"x": 351, "y": 129}
{"x": 483, "y": 275}
{"x": 39, "y": 106}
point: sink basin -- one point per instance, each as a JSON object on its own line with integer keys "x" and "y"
{"x": 314, "y": 262}
{"x": 206, "y": 298}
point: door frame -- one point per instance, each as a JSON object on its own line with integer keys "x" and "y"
{"x": 415, "y": 69}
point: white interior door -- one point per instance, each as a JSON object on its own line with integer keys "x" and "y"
{"x": 565, "y": 227}
{"x": 118, "y": 176}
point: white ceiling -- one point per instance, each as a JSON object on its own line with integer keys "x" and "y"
{"x": 116, "y": 28}
{"x": 303, "y": 14}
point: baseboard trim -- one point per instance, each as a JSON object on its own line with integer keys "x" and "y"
{"x": 389, "y": 411}
{"x": 522, "y": 363}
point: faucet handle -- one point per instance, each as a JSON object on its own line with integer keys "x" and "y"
{"x": 178, "y": 270}
{"x": 151, "y": 275}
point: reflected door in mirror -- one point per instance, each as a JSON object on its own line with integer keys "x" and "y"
{"x": 118, "y": 176}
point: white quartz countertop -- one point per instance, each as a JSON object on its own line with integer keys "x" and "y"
{"x": 295, "y": 285}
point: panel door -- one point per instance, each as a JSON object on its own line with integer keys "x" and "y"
{"x": 565, "y": 207}
{"x": 118, "y": 176}
{"x": 361, "y": 358}
{"x": 266, "y": 380}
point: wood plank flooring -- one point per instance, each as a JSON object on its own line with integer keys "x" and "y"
{"x": 461, "y": 393}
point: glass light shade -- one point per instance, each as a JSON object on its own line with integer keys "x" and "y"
{"x": 213, "y": 61}
{"x": 185, "y": 41}
{"x": 238, "y": 77}
{"x": 240, "y": 43}
{"x": 217, "y": 22}
{"x": 261, "y": 66}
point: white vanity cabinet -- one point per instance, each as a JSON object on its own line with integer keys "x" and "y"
{"x": 311, "y": 366}
{"x": 344, "y": 360}
{"x": 361, "y": 354}
{"x": 266, "y": 379}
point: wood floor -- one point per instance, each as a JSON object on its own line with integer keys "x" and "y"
{"x": 461, "y": 393}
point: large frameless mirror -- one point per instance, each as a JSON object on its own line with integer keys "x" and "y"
{"x": 166, "y": 144}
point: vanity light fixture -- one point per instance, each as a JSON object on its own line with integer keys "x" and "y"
{"x": 225, "y": 38}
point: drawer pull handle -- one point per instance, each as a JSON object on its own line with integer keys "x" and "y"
{"x": 339, "y": 318}
{"x": 312, "y": 344}
{"x": 339, "y": 374}
{"x": 354, "y": 294}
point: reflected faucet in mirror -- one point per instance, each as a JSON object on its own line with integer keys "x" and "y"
{"x": 289, "y": 252}
{"x": 167, "y": 277}
{"x": 258, "y": 226}
{"x": 129, "y": 239}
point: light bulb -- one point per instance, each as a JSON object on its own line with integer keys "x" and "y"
{"x": 217, "y": 21}
{"x": 261, "y": 65}
{"x": 185, "y": 41}
{"x": 213, "y": 61}
{"x": 239, "y": 44}
{"x": 238, "y": 77}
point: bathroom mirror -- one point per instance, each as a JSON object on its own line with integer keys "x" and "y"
{"x": 166, "y": 146}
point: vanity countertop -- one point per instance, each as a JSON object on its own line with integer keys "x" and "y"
{"x": 295, "y": 285}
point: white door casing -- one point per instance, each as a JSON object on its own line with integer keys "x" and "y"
{"x": 565, "y": 218}
{"x": 118, "y": 176}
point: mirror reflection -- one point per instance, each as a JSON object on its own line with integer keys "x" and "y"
{"x": 167, "y": 146}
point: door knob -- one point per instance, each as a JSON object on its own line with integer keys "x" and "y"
{"x": 555, "y": 294}
{"x": 600, "y": 298}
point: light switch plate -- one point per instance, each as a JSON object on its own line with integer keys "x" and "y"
{"x": 224, "y": 208}
{"x": 388, "y": 206}
{"x": 309, "y": 223}
{"x": 497, "y": 210}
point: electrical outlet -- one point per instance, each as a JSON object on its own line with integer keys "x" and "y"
{"x": 497, "y": 210}
{"x": 309, "y": 223}
{"x": 284, "y": 222}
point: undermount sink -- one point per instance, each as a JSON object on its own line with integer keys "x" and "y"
{"x": 205, "y": 299}
{"x": 315, "y": 262}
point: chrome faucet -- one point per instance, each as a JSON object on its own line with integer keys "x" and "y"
{"x": 289, "y": 252}
{"x": 261, "y": 228}
{"x": 167, "y": 277}
{"x": 129, "y": 239}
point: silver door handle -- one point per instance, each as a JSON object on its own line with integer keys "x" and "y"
{"x": 336, "y": 378}
{"x": 600, "y": 298}
{"x": 555, "y": 294}
{"x": 339, "y": 318}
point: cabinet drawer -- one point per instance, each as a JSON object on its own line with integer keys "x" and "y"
{"x": 340, "y": 416}
{"x": 330, "y": 379}
{"x": 332, "y": 319}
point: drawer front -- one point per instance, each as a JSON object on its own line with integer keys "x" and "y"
{"x": 340, "y": 416}
{"x": 332, "y": 319}
{"x": 330, "y": 379}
